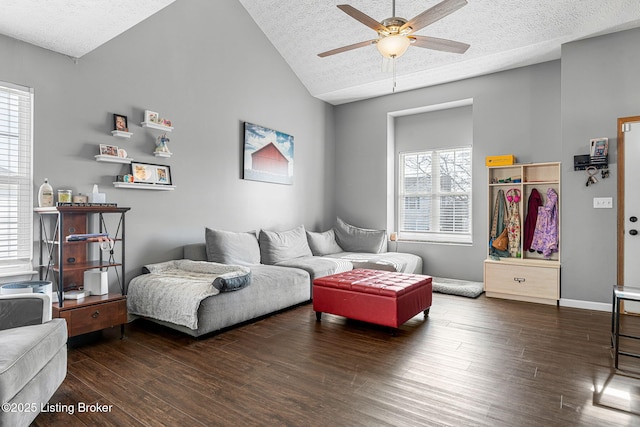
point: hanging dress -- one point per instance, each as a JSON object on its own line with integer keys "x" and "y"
{"x": 514, "y": 229}
{"x": 545, "y": 236}
{"x": 535, "y": 201}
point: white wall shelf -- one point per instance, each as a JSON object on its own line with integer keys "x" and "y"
{"x": 113, "y": 159}
{"x": 162, "y": 154}
{"x": 137, "y": 186}
{"x": 121, "y": 134}
{"x": 157, "y": 126}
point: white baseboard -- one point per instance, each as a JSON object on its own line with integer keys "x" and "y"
{"x": 586, "y": 305}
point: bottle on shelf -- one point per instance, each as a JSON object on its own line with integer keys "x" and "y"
{"x": 45, "y": 195}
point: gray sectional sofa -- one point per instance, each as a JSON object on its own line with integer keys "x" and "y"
{"x": 282, "y": 267}
{"x": 33, "y": 356}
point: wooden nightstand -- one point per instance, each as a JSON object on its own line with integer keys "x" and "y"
{"x": 93, "y": 313}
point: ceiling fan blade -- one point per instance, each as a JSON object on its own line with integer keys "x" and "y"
{"x": 435, "y": 43}
{"x": 433, "y": 14}
{"x": 346, "y": 48}
{"x": 362, "y": 17}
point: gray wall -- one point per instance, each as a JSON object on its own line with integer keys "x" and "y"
{"x": 176, "y": 63}
{"x": 451, "y": 127}
{"x": 179, "y": 64}
{"x": 515, "y": 111}
{"x": 545, "y": 112}
{"x": 599, "y": 84}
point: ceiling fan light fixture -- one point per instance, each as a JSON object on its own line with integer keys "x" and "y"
{"x": 393, "y": 46}
{"x": 396, "y": 34}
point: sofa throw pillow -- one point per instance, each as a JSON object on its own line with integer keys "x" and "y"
{"x": 228, "y": 247}
{"x": 356, "y": 239}
{"x": 232, "y": 281}
{"x": 323, "y": 243}
{"x": 277, "y": 246}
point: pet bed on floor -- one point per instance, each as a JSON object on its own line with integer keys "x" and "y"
{"x": 462, "y": 288}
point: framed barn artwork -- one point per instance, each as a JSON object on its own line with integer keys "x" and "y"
{"x": 268, "y": 155}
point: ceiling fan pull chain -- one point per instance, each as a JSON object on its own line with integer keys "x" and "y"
{"x": 393, "y": 66}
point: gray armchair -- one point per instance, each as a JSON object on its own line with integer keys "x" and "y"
{"x": 33, "y": 356}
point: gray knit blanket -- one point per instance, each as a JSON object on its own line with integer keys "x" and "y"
{"x": 173, "y": 290}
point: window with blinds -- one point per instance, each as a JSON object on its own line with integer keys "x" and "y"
{"x": 434, "y": 195}
{"x": 16, "y": 181}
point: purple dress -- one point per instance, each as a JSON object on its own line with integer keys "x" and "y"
{"x": 545, "y": 236}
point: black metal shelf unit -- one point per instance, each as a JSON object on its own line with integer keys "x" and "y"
{"x": 66, "y": 261}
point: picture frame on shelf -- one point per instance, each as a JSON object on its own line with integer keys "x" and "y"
{"x": 120, "y": 123}
{"x": 149, "y": 173}
{"x": 109, "y": 150}
{"x": 122, "y": 153}
{"x": 163, "y": 175}
{"x": 150, "y": 116}
{"x": 143, "y": 173}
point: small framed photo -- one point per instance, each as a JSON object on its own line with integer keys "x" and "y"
{"x": 150, "y": 173}
{"x": 150, "y": 116}
{"x": 108, "y": 150}
{"x": 143, "y": 172}
{"x": 120, "y": 123}
{"x": 599, "y": 147}
{"x": 163, "y": 175}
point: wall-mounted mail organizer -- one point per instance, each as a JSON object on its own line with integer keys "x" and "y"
{"x": 583, "y": 161}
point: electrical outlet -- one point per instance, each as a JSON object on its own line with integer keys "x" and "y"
{"x": 603, "y": 202}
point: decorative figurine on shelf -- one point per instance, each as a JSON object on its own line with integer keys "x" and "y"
{"x": 161, "y": 144}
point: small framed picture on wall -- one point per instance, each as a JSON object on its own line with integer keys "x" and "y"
{"x": 163, "y": 175}
{"x": 120, "y": 123}
{"x": 150, "y": 116}
{"x": 149, "y": 173}
{"x": 108, "y": 150}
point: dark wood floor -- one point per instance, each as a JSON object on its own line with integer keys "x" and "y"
{"x": 474, "y": 362}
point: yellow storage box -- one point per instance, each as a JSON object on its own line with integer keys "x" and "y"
{"x": 504, "y": 160}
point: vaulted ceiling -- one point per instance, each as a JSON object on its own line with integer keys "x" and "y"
{"x": 73, "y": 27}
{"x": 503, "y": 34}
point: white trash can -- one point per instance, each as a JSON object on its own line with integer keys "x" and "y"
{"x": 27, "y": 287}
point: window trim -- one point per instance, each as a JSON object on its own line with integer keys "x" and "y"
{"x": 23, "y": 265}
{"x": 432, "y": 236}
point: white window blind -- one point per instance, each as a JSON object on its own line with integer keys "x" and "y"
{"x": 434, "y": 195}
{"x": 16, "y": 181}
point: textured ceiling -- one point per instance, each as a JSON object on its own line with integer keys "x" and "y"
{"x": 503, "y": 34}
{"x": 73, "y": 27}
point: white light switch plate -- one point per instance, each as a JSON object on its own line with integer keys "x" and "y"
{"x": 603, "y": 202}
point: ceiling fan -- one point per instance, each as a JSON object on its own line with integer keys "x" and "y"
{"x": 395, "y": 34}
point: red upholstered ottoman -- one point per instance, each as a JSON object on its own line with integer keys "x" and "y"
{"x": 381, "y": 297}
